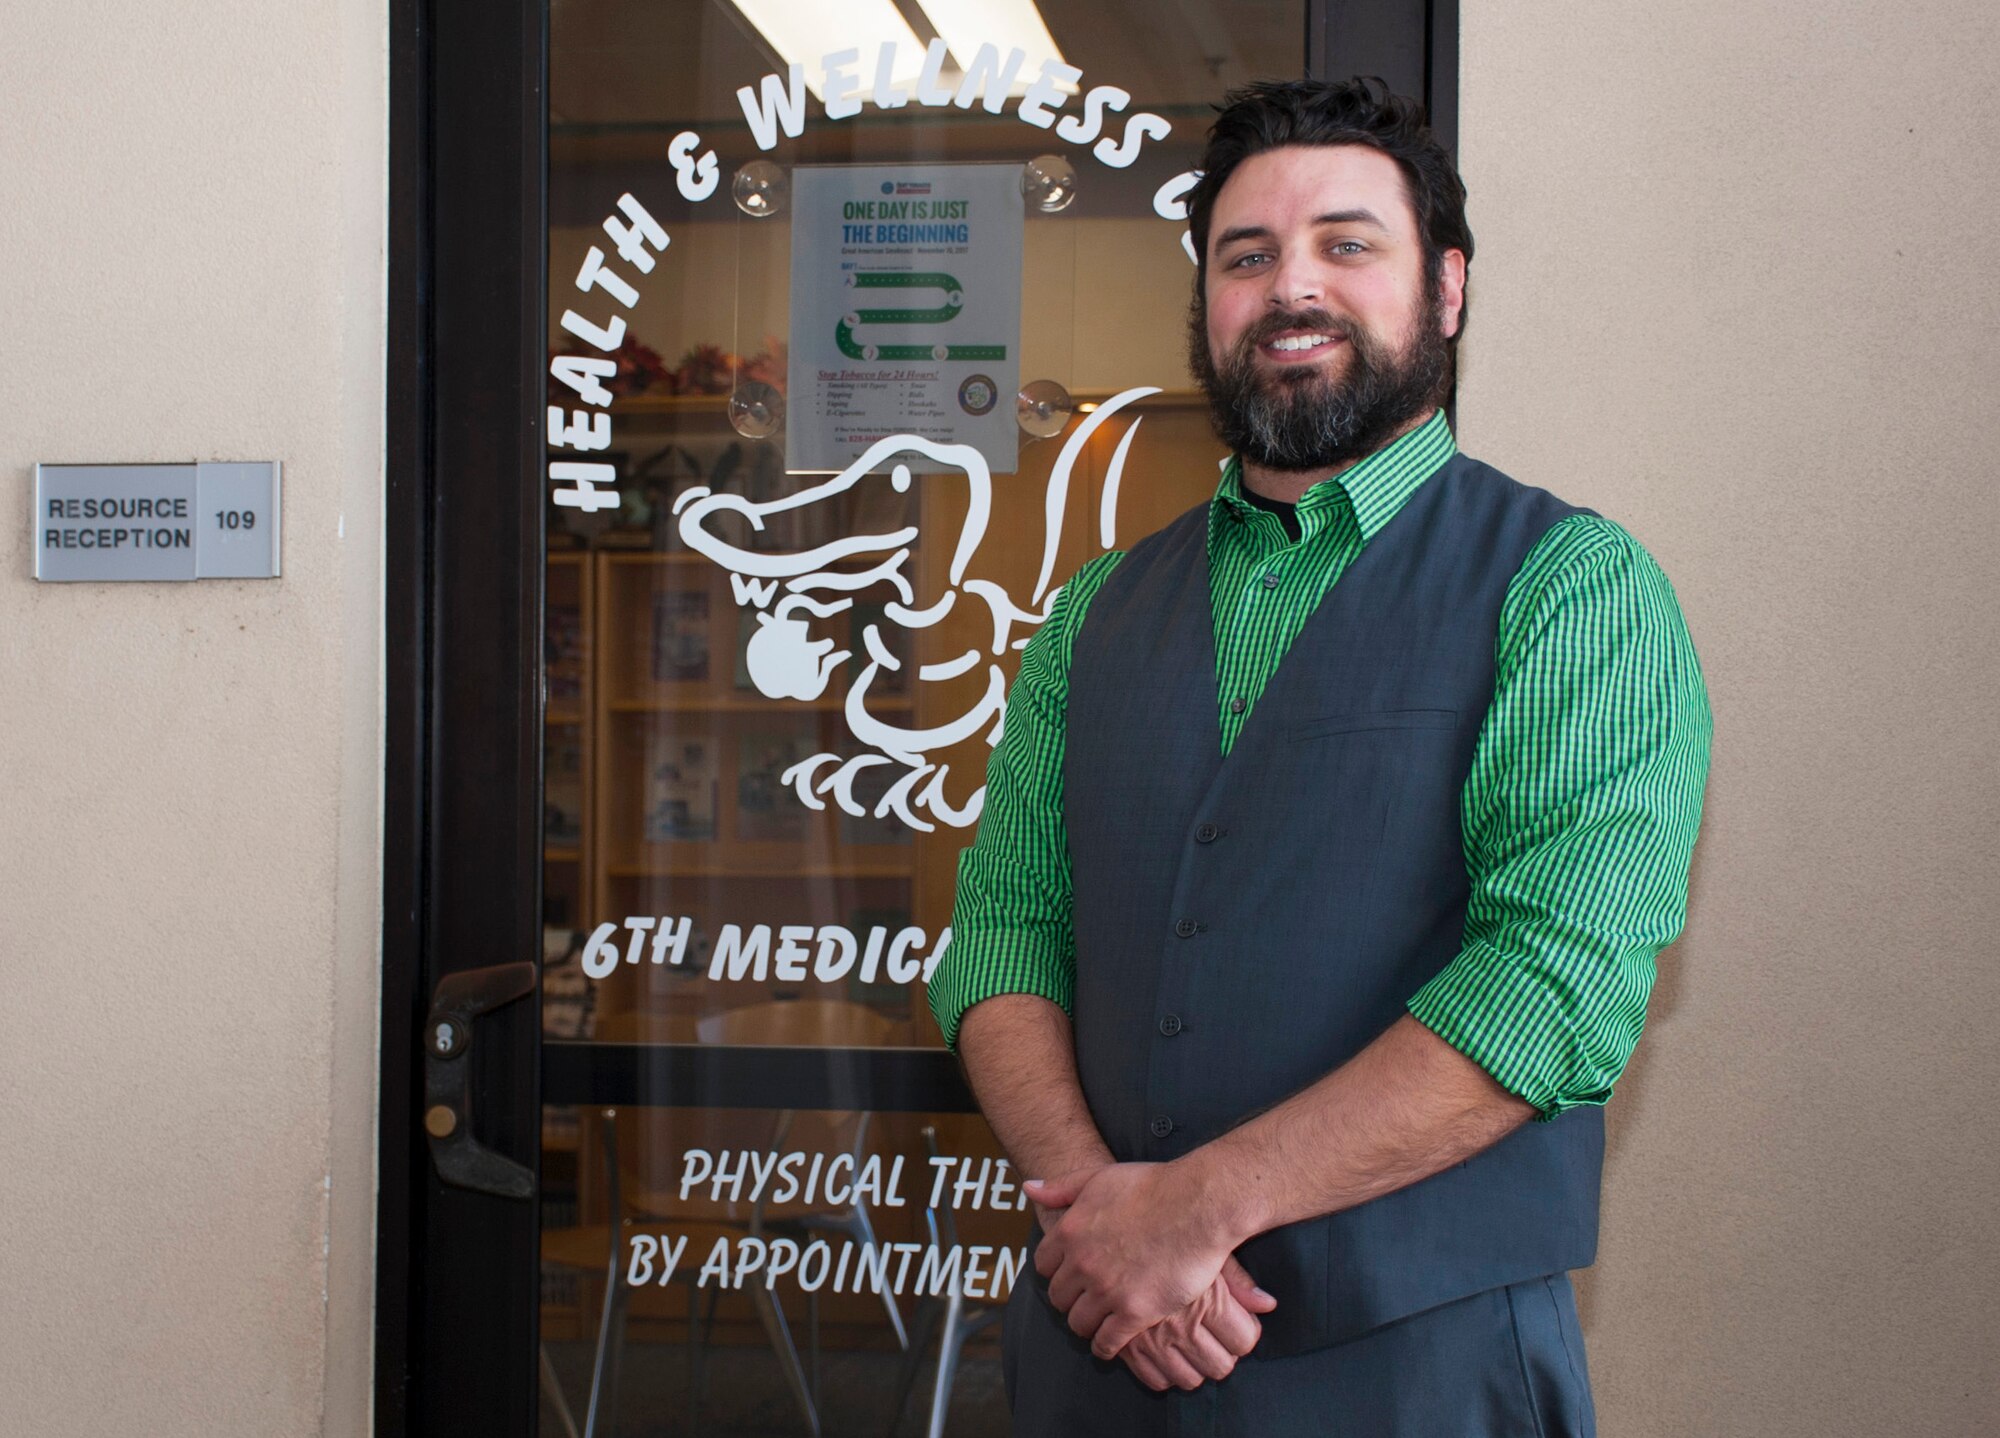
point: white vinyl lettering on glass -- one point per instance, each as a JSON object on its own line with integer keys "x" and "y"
{"x": 758, "y": 953}
{"x": 792, "y": 595}
{"x": 637, "y": 238}
{"x": 776, "y": 104}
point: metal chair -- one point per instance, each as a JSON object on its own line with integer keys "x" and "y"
{"x": 958, "y": 1324}
{"x": 810, "y": 1023}
{"x": 638, "y": 1193}
{"x": 591, "y": 1247}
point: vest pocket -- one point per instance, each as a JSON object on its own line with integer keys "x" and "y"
{"x": 1382, "y": 719}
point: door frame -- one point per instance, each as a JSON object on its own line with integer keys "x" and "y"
{"x": 463, "y": 639}
{"x": 463, "y": 561}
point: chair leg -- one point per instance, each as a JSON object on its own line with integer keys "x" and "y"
{"x": 864, "y": 1232}
{"x": 788, "y": 1353}
{"x": 701, "y": 1354}
{"x": 599, "y": 1420}
{"x": 603, "y": 1357}
{"x": 694, "y": 1337}
{"x": 949, "y": 1340}
{"x": 960, "y": 1326}
{"x": 552, "y": 1385}
{"x": 812, "y": 1342}
{"x": 617, "y": 1368}
{"x": 922, "y": 1324}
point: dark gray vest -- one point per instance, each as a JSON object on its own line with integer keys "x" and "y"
{"x": 1244, "y": 925}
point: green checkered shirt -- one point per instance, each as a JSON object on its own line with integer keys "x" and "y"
{"x": 1579, "y": 813}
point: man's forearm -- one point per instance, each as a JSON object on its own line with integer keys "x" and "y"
{"x": 1407, "y": 1106}
{"x": 1020, "y": 1057}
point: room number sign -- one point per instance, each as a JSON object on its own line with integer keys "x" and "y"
{"x": 157, "y": 521}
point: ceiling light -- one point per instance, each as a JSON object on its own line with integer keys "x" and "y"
{"x": 1006, "y": 25}
{"x": 804, "y": 32}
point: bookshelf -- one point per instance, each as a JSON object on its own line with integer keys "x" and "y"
{"x": 567, "y": 736}
{"x": 691, "y": 815}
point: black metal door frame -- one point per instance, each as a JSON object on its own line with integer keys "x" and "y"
{"x": 457, "y": 1273}
{"x": 456, "y": 1284}
{"x": 1411, "y": 44}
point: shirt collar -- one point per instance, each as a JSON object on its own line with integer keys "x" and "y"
{"x": 1376, "y": 487}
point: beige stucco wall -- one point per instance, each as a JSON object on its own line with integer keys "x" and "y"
{"x": 1736, "y": 288}
{"x": 194, "y": 269}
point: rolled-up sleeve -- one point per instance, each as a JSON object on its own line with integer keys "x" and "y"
{"x": 1011, "y": 922}
{"x": 1579, "y": 817}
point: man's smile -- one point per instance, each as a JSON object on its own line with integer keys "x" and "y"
{"x": 1299, "y": 346}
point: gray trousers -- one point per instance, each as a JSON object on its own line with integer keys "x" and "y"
{"x": 1506, "y": 1363}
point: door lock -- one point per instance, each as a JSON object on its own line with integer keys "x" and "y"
{"x": 459, "y": 998}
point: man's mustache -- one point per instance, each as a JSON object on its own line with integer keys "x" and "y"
{"x": 1318, "y": 321}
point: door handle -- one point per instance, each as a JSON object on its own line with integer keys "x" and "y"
{"x": 461, "y": 1159}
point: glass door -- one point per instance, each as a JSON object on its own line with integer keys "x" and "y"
{"x": 866, "y": 332}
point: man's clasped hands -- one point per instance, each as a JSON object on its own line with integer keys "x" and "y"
{"x": 1143, "y": 1265}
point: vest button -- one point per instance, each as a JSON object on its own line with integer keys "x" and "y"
{"x": 1237, "y": 706}
{"x": 1187, "y": 928}
{"x": 1161, "y": 1126}
{"x": 1170, "y": 1025}
{"x": 1206, "y": 833}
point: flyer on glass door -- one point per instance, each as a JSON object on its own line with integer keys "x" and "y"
{"x": 906, "y": 311}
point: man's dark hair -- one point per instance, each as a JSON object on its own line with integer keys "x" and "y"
{"x": 1272, "y": 113}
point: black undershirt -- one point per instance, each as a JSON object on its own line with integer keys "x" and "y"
{"x": 1288, "y": 514}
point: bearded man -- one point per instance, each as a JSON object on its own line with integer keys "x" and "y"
{"x": 1326, "y": 857}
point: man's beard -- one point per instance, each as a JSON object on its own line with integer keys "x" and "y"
{"x": 1300, "y": 419}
